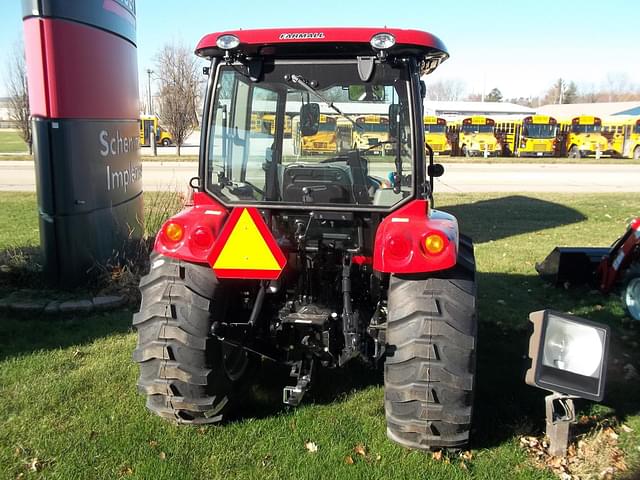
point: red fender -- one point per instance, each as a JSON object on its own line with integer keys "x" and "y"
{"x": 201, "y": 224}
{"x": 400, "y": 240}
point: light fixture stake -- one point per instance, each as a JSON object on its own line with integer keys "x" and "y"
{"x": 561, "y": 413}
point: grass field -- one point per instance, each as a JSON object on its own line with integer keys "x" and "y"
{"x": 68, "y": 406}
{"x": 10, "y": 142}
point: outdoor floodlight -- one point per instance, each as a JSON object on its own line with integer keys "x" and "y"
{"x": 568, "y": 355}
{"x": 569, "y": 358}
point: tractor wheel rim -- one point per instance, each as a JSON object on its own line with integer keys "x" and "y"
{"x": 234, "y": 361}
{"x": 632, "y": 298}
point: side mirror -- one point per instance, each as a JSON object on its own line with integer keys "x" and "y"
{"x": 394, "y": 120}
{"x": 309, "y": 119}
{"x": 436, "y": 170}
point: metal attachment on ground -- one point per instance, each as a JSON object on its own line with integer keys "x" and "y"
{"x": 560, "y": 414}
{"x": 292, "y": 395}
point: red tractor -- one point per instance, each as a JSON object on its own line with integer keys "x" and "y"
{"x": 312, "y": 261}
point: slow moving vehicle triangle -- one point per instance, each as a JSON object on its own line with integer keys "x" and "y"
{"x": 246, "y": 248}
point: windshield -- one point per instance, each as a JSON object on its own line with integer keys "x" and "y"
{"x": 477, "y": 128}
{"x": 586, "y": 128}
{"x": 432, "y": 128}
{"x": 539, "y": 131}
{"x": 258, "y": 154}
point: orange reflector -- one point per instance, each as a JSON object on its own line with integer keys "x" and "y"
{"x": 174, "y": 231}
{"x": 246, "y": 248}
{"x": 434, "y": 244}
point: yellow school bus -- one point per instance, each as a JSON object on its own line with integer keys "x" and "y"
{"x": 322, "y": 142}
{"x": 148, "y": 124}
{"x": 371, "y": 130}
{"x": 623, "y": 136}
{"x": 435, "y": 135}
{"x": 582, "y": 136}
{"x": 477, "y": 137}
{"x": 268, "y": 124}
{"x": 537, "y": 136}
{"x": 344, "y": 135}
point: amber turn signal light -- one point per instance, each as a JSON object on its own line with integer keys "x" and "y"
{"x": 434, "y": 244}
{"x": 173, "y": 231}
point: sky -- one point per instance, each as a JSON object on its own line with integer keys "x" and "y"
{"x": 518, "y": 47}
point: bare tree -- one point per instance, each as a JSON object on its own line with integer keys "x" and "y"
{"x": 450, "y": 89}
{"x": 18, "y": 90}
{"x": 179, "y": 90}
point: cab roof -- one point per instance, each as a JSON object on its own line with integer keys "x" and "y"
{"x": 328, "y": 42}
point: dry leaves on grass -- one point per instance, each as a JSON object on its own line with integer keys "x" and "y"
{"x": 125, "y": 471}
{"x": 310, "y": 446}
{"x": 594, "y": 455}
{"x": 360, "y": 453}
{"x": 360, "y": 450}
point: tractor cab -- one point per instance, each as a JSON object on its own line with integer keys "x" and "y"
{"x": 321, "y": 79}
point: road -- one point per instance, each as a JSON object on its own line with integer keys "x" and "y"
{"x": 458, "y": 178}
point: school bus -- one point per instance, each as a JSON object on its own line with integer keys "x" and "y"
{"x": 477, "y": 137}
{"x": 623, "y": 136}
{"x": 268, "y": 124}
{"x": 435, "y": 135}
{"x": 371, "y": 130}
{"x": 344, "y": 135}
{"x": 532, "y": 136}
{"x": 148, "y": 124}
{"x": 322, "y": 142}
{"x": 582, "y": 136}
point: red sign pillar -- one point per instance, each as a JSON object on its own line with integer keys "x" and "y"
{"x": 83, "y": 94}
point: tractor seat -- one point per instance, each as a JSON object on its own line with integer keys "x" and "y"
{"x": 325, "y": 183}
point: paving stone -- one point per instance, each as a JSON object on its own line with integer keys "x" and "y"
{"x": 52, "y": 307}
{"x": 28, "y": 306}
{"x": 108, "y": 302}
{"x": 76, "y": 306}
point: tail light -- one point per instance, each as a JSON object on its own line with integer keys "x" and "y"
{"x": 173, "y": 232}
{"x": 414, "y": 240}
{"x": 434, "y": 243}
{"x": 201, "y": 238}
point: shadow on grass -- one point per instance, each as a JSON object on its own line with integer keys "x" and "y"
{"x": 507, "y": 216}
{"x": 504, "y": 405}
{"x": 21, "y": 335}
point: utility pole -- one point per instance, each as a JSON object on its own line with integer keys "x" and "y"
{"x": 561, "y": 92}
{"x": 149, "y": 109}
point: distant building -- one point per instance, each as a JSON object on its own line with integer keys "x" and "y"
{"x": 453, "y": 110}
{"x": 604, "y": 109}
{"x": 5, "y": 120}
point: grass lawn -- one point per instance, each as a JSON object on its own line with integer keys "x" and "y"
{"x": 11, "y": 142}
{"x": 69, "y": 409}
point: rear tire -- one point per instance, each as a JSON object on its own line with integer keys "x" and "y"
{"x": 631, "y": 291}
{"x": 429, "y": 374}
{"x": 636, "y": 153}
{"x": 188, "y": 375}
{"x": 166, "y": 142}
